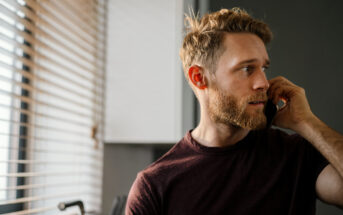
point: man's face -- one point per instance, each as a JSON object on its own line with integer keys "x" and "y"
{"x": 238, "y": 89}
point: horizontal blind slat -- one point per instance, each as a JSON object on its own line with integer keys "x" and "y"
{"x": 47, "y": 13}
{"x": 28, "y": 13}
{"x": 43, "y": 162}
{"x": 44, "y": 174}
{"x": 38, "y": 102}
{"x": 31, "y": 211}
{"x": 30, "y": 76}
{"x": 80, "y": 9}
{"x": 38, "y": 186}
{"x": 46, "y": 127}
{"x": 85, "y": 27}
{"x": 35, "y": 150}
{"x": 41, "y": 91}
{"x": 37, "y": 52}
{"x": 48, "y": 140}
{"x": 36, "y": 198}
{"x": 10, "y": 15}
{"x": 49, "y": 116}
{"x": 38, "y": 30}
{"x": 39, "y": 66}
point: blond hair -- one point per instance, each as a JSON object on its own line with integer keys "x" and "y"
{"x": 203, "y": 41}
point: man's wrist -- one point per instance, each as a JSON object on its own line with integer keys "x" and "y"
{"x": 307, "y": 126}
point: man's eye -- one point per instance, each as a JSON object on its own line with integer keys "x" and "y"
{"x": 248, "y": 69}
{"x": 251, "y": 69}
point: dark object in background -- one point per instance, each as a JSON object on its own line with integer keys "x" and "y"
{"x": 64, "y": 205}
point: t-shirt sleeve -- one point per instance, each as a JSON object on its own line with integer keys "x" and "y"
{"x": 315, "y": 162}
{"x": 142, "y": 199}
{"x": 320, "y": 161}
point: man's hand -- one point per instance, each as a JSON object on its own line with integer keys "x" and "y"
{"x": 297, "y": 115}
{"x": 296, "y": 109}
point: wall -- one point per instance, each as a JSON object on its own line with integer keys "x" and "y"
{"x": 121, "y": 165}
{"x": 144, "y": 76}
{"x": 144, "y": 97}
{"x": 307, "y": 49}
{"x": 122, "y": 162}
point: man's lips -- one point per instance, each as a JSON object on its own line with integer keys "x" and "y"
{"x": 257, "y": 102}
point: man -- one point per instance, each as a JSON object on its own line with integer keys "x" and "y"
{"x": 231, "y": 163}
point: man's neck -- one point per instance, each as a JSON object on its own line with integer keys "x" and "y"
{"x": 212, "y": 134}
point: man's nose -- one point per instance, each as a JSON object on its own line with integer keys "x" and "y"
{"x": 260, "y": 81}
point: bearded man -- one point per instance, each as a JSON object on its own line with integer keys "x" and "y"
{"x": 232, "y": 163}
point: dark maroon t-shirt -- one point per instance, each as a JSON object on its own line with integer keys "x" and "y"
{"x": 268, "y": 172}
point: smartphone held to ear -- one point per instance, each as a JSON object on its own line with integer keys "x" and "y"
{"x": 270, "y": 112}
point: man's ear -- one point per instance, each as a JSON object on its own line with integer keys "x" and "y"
{"x": 197, "y": 77}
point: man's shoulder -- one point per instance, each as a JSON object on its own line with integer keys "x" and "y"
{"x": 282, "y": 141}
{"x": 171, "y": 160}
{"x": 150, "y": 184}
{"x": 277, "y": 134}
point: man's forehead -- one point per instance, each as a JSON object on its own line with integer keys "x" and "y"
{"x": 245, "y": 48}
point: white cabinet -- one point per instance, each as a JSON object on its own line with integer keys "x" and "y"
{"x": 144, "y": 83}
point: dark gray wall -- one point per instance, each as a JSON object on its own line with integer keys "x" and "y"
{"x": 307, "y": 49}
{"x": 122, "y": 162}
{"x": 121, "y": 165}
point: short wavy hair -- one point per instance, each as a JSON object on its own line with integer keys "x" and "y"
{"x": 204, "y": 37}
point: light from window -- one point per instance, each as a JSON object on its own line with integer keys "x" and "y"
{"x": 6, "y": 86}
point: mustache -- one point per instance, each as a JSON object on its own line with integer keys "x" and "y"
{"x": 258, "y": 97}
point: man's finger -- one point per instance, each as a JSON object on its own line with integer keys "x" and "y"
{"x": 280, "y": 79}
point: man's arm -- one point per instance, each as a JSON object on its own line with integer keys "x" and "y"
{"x": 142, "y": 199}
{"x": 297, "y": 115}
{"x": 329, "y": 143}
{"x": 329, "y": 186}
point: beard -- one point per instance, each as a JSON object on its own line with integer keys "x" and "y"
{"x": 229, "y": 110}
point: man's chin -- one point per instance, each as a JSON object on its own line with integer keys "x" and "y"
{"x": 257, "y": 122}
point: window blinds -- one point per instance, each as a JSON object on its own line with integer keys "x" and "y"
{"x": 52, "y": 57}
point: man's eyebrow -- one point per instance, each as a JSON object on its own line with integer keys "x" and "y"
{"x": 267, "y": 62}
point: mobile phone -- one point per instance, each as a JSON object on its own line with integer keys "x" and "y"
{"x": 270, "y": 112}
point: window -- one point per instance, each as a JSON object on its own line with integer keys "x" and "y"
{"x": 52, "y": 56}
{"x": 5, "y": 111}
{"x": 8, "y": 116}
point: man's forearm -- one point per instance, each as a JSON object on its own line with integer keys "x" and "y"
{"x": 327, "y": 141}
